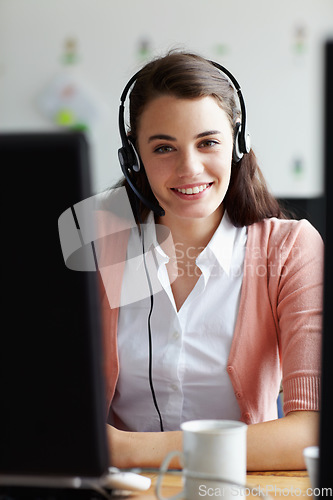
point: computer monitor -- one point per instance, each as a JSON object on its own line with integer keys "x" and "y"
{"x": 53, "y": 414}
{"x": 326, "y": 428}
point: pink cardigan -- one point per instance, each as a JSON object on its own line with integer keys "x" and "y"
{"x": 278, "y": 330}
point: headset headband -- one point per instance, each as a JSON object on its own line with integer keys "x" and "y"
{"x": 244, "y": 141}
{"x": 243, "y": 136}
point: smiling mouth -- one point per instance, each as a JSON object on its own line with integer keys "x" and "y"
{"x": 193, "y": 190}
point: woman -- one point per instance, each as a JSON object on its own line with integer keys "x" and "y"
{"x": 238, "y": 307}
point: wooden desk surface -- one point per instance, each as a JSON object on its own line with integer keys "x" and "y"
{"x": 280, "y": 484}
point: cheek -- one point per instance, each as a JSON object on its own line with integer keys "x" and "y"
{"x": 156, "y": 172}
{"x": 222, "y": 169}
{"x": 155, "y": 177}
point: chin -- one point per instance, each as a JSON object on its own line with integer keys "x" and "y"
{"x": 202, "y": 213}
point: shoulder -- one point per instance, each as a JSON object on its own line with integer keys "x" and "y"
{"x": 113, "y": 211}
{"x": 114, "y": 201}
{"x": 284, "y": 233}
{"x": 113, "y": 221}
{"x": 278, "y": 240}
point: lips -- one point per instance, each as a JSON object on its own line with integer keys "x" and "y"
{"x": 193, "y": 189}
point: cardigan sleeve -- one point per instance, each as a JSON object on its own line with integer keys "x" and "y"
{"x": 296, "y": 279}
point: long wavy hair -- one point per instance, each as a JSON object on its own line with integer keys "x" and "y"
{"x": 189, "y": 76}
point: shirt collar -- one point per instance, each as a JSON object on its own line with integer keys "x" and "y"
{"x": 221, "y": 245}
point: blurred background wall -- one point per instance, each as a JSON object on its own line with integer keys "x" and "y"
{"x": 86, "y": 50}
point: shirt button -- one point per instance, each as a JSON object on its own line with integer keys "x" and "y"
{"x": 238, "y": 395}
{"x": 230, "y": 369}
{"x": 246, "y": 416}
{"x": 175, "y": 335}
{"x": 174, "y": 387}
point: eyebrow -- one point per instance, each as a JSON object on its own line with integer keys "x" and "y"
{"x": 208, "y": 132}
{"x": 166, "y": 137}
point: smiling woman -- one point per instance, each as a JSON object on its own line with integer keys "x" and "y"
{"x": 238, "y": 308}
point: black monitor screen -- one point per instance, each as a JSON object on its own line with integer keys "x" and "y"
{"x": 326, "y": 428}
{"x": 52, "y": 396}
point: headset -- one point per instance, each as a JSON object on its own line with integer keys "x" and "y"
{"x": 131, "y": 164}
{"x": 130, "y": 161}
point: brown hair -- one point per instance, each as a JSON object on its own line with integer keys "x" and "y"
{"x": 190, "y": 76}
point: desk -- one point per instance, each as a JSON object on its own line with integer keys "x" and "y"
{"x": 278, "y": 484}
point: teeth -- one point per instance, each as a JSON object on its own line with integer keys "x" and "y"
{"x": 196, "y": 189}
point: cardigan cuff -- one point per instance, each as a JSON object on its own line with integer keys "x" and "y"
{"x": 301, "y": 393}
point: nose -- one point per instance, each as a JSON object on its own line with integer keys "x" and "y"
{"x": 189, "y": 164}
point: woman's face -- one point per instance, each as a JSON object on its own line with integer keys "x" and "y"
{"x": 186, "y": 147}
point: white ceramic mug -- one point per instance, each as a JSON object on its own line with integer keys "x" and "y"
{"x": 213, "y": 459}
{"x": 311, "y": 457}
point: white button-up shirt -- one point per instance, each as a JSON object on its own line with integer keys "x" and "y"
{"x": 190, "y": 348}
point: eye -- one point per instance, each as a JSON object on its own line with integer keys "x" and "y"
{"x": 163, "y": 149}
{"x": 208, "y": 143}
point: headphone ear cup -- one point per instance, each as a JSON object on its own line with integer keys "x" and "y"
{"x": 237, "y": 155}
{"x": 124, "y": 159}
{"x": 129, "y": 158}
{"x": 136, "y": 163}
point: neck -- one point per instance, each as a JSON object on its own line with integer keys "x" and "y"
{"x": 194, "y": 233}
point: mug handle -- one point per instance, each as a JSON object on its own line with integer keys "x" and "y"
{"x": 163, "y": 469}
